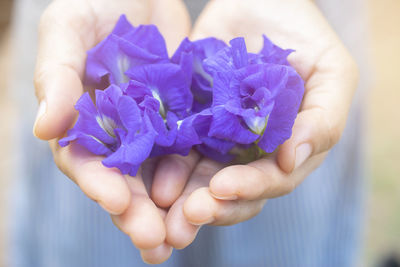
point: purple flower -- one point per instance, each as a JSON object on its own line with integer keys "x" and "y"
{"x": 228, "y": 59}
{"x": 115, "y": 127}
{"x": 126, "y": 47}
{"x": 164, "y": 91}
{"x": 202, "y": 80}
{"x": 167, "y": 83}
{"x": 227, "y": 103}
{"x": 190, "y": 132}
{"x": 252, "y": 102}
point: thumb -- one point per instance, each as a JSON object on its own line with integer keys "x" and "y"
{"x": 59, "y": 69}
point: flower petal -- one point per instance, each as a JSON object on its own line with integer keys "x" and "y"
{"x": 122, "y": 26}
{"x": 129, "y": 113}
{"x": 227, "y": 126}
{"x": 214, "y": 154}
{"x": 224, "y": 89}
{"x": 135, "y": 148}
{"x": 229, "y": 58}
{"x": 124, "y": 48}
{"x": 90, "y": 122}
{"x": 149, "y": 38}
{"x": 273, "y": 53}
{"x": 283, "y": 115}
{"x": 167, "y": 82}
{"x": 90, "y": 142}
{"x": 166, "y": 134}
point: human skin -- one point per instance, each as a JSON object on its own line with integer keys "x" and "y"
{"x": 224, "y": 195}
{"x": 201, "y": 191}
{"x": 68, "y": 28}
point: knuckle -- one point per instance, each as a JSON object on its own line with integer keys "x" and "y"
{"x": 259, "y": 206}
{"x": 206, "y": 169}
{"x": 181, "y": 163}
{"x": 59, "y": 160}
{"x": 288, "y": 187}
{"x": 333, "y": 132}
{"x": 331, "y": 129}
{"x": 354, "y": 68}
{"x": 351, "y": 65}
{"x": 350, "y": 69}
{"x": 38, "y": 81}
{"x": 48, "y": 16}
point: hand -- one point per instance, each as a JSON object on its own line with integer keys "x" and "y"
{"x": 69, "y": 28}
{"x": 222, "y": 196}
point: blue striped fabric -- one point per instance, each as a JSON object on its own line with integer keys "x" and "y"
{"x": 55, "y": 225}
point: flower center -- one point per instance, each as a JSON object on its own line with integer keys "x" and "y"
{"x": 249, "y": 103}
{"x": 198, "y": 68}
{"x": 123, "y": 66}
{"x": 107, "y": 124}
{"x": 257, "y": 124}
{"x": 156, "y": 95}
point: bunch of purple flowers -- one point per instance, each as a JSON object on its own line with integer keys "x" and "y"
{"x": 216, "y": 98}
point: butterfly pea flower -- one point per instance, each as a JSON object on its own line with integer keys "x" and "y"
{"x": 113, "y": 126}
{"x": 252, "y": 102}
{"x": 227, "y": 103}
{"x": 169, "y": 85}
{"x": 125, "y": 48}
{"x": 190, "y": 132}
{"x": 202, "y": 81}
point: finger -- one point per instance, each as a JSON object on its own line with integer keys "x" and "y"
{"x": 180, "y": 233}
{"x": 161, "y": 253}
{"x": 210, "y": 22}
{"x": 246, "y": 182}
{"x": 174, "y": 25}
{"x": 324, "y": 110}
{"x": 142, "y": 221}
{"x": 261, "y": 179}
{"x": 60, "y": 65}
{"x": 170, "y": 177}
{"x": 202, "y": 208}
{"x": 157, "y": 255}
{"x": 106, "y": 186}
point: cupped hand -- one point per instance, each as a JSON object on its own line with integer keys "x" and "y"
{"x": 220, "y": 195}
{"x": 68, "y": 28}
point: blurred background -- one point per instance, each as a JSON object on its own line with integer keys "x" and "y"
{"x": 382, "y": 238}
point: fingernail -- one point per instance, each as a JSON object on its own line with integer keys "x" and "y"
{"x": 232, "y": 197}
{"x": 210, "y": 220}
{"x": 40, "y": 113}
{"x": 106, "y": 208}
{"x": 303, "y": 152}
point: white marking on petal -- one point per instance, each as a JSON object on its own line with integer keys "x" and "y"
{"x": 198, "y": 68}
{"x": 123, "y": 65}
{"x": 96, "y": 139}
{"x": 257, "y": 124}
{"x": 156, "y": 95}
{"x": 107, "y": 124}
{"x": 179, "y": 123}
